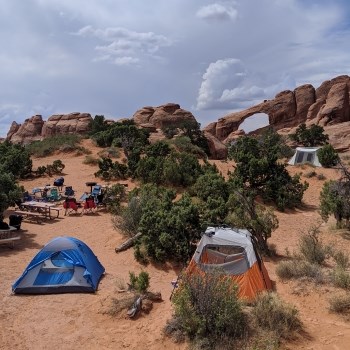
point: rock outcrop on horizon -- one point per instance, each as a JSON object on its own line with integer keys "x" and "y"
{"x": 170, "y": 114}
{"x": 326, "y": 105}
{"x": 35, "y": 128}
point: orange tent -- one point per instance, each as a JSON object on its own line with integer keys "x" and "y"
{"x": 232, "y": 251}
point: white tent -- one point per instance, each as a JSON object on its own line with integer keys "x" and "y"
{"x": 305, "y": 155}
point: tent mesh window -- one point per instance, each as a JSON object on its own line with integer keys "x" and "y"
{"x": 232, "y": 259}
{"x": 300, "y": 157}
{"x": 310, "y": 158}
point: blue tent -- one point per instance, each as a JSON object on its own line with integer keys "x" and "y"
{"x": 64, "y": 265}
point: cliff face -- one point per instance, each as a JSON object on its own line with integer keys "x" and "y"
{"x": 326, "y": 105}
{"x": 35, "y": 128}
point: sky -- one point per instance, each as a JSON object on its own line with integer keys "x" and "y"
{"x": 113, "y": 57}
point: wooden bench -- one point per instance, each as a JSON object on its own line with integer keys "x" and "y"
{"x": 57, "y": 210}
{"x": 9, "y": 236}
{"x": 30, "y": 215}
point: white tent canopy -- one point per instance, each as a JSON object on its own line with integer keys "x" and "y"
{"x": 305, "y": 155}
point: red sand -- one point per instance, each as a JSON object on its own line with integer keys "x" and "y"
{"x": 79, "y": 321}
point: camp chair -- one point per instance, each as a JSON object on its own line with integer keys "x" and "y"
{"x": 89, "y": 205}
{"x": 70, "y": 205}
{"x": 100, "y": 200}
{"x": 69, "y": 191}
{"x": 54, "y": 195}
{"x": 96, "y": 191}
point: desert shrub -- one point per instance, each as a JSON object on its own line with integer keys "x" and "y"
{"x": 150, "y": 170}
{"x": 294, "y": 269}
{"x": 212, "y": 185}
{"x": 321, "y": 177}
{"x": 51, "y": 144}
{"x": 158, "y": 149}
{"x": 184, "y": 144}
{"x": 181, "y": 169}
{"x": 272, "y": 314}
{"x": 109, "y": 152}
{"x": 58, "y": 166}
{"x": 340, "y": 304}
{"x": 309, "y": 137}
{"x": 9, "y": 191}
{"x": 129, "y": 217}
{"x": 327, "y": 156}
{"x": 14, "y": 159}
{"x": 340, "y": 278}
{"x": 139, "y": 283}
{"x": 341, "y": 259}
{"x": 111, "y": 171}
{"x": 173, "y": 328}
{"x": 311, "y": 173}
{"x": 311, "y": 247}
{"x": 168, "y": 227}
{"x": 90, "y": 160}
{"x": 257, "y": 169}
{"x": 98, "y": 124}
{"x": 335, "y": 200}
{"x": 41, "y": 170}
{"x": 207, "y": 306}
{"x": 243, "y": 211}
{"x": 113, "y": 196}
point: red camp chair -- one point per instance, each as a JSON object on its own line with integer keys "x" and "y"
{"x": 89, "y": 205}
{"x": 70, "y": 206}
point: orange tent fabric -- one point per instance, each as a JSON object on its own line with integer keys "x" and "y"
{"x": 245, "y": 268}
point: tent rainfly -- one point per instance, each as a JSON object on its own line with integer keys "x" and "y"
{"x": 64, "y": 265}
{"x": 305, "y": 155}
{"x": 232, "y": 251}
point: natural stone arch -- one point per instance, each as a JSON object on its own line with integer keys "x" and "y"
{"x": 254, "y": 122}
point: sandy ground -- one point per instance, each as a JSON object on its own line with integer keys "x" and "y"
{"x": 80, "y": 321}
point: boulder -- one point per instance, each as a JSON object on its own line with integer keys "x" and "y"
{"x": 162, "y": 116}
{"x": 336, "y": 108}
{"x": 27, "y": 132}
{"x": 72, "y": 123}
{"x": 218, "y": 150}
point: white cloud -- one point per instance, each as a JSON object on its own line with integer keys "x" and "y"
{"x": 125, "y": 46}
{"x": 217, "y": 12}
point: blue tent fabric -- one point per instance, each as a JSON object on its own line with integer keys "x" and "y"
{"x": 62, "y": 255}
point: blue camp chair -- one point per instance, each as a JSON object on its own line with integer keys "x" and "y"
{"x": 69, "y": 192}
{"x": 96, "y": 191}
{"x": 54, "y": 195}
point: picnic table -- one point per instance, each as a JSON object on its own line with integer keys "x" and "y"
{"x": 34, "y": 209}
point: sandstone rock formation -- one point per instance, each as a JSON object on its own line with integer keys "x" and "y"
{"x": 162, "y": 116}
{"x": 35, "y": 128}
{"x": 327, "y": 105}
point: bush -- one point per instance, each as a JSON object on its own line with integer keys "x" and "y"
{"x": 272, "y": 314}
{"x": 340, "y": 278}
{"x": 129, "y": 219}
{"x": 207, "y": 306}
{"x": 310, "y": 174}
{"x": 327, "y": 156}
{"x": 311, "y": 248}
{"x": 257, "y": 169}
{"x": 139, "y": 283}
{"x": 340, "y": 304}
{"x": 50, "y": 144}
{"x": 321, "y": 177}
{"x": 294, "y": 269}
{"x": 90, "y": 160}
{"x": 309, "y": 137}
{"x": 341, "y": 259}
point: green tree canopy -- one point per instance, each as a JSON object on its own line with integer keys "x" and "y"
{"x": 309, "y": 137}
